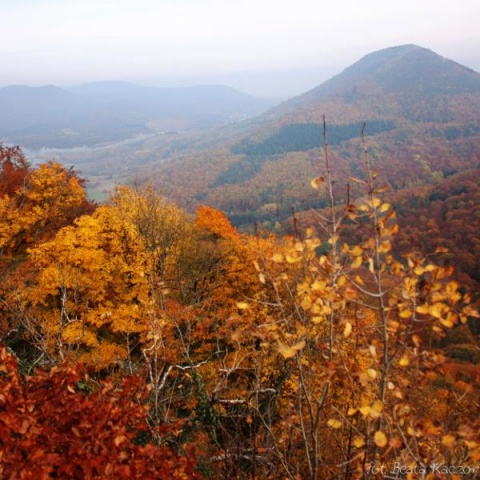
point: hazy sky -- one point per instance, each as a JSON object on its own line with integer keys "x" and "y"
{"x": 263, "y": 46}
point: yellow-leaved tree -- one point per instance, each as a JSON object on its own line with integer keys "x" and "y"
{"x": 354, "y": 333}
{"x": 86, "y": 300}
{"x": 34, "y": 204}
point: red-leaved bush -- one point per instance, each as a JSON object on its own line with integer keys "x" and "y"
{"x": 49, "y": 428}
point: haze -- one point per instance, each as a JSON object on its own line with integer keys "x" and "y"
{"x": 263, "y": 47}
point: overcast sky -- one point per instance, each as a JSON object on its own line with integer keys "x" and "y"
{"x": 274, "y": 47}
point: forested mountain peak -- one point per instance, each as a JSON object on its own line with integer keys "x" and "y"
{"x": 407, "y": 66}
{"x": 408, "y": 71}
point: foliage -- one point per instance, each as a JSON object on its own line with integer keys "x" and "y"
{"x": 303, "y": 357}
{"x": 85, "y": 301}
{"x": 51, "y": 427}
{"x": 14, "y": 169}
{"x": 49, "y": 197}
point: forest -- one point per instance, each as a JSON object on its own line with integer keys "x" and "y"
{"x": 140, "y": 341}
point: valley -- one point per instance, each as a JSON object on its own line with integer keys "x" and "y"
{"x": 422, "y": 120}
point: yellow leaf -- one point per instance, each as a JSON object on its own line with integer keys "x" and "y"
{"x": 416, "y": 340}
{"x": 291, "y": 258}
{"x": 358, "y": 280}
{"x": 318, "y": 286}
{"x": 372, "y": 373}
{"x": 377, "y": 406}
{"x": 374, "y": 413}
{"x": 334, "y": 423}
{"x": 357, "y": 262}
{"x": 356, "y": 251}
{"x": 358, "y": 442}
{"x": 448, "y": 441}
{"x": 352, "y": 411}
{"x": 316, "y": 182}
{"x": 299, "y": 247}
{"x": 261, "y": 277}
{"x": 289, "y": 352}
{"x": 436, "y": 309}
{"x": 347, "y": 330}
{"x": 333, "y": 239}
{"x": 242, "y": 305}
{"x": 365, "y": 410}
{"x": 286, "y": 351}
{"x": 422, "y": 309}
{"x": 278, "y": 258}
{"x": 419, "y": 270}
{"x": 385, "y": 246}
{"x": 380, "y": 439}
{"x": 404, "y": 361}
{"x": 447, "y": 323}
{"x": 384, "y": 207}
{"x": 371, "y": 266}
{"x": 306, "y": 303}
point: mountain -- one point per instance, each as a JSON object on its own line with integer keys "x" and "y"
{"x": 390, "y": 82}
{"x": 422, "y": 115}
{"x": 22, "y": 108}
{"x": 203, "y": 101}
{"x": 102, "y": 112}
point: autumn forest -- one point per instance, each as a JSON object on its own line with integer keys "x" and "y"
{"x": 327, "y": 330}
{"x": 177, "y": 347}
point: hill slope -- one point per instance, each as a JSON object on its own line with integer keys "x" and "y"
{"x": 423, "y": 124}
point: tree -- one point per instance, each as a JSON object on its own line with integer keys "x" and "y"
{"x": 86, "y": 300}
{"x": 14, "y": 170}
{"x": 36, "y": 203}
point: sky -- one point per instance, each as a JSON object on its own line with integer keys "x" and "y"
{"x": 263, "y": 47}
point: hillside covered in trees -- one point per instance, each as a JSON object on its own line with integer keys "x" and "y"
{"x": 140, "y": 341}
{"x": 422, "y": 119}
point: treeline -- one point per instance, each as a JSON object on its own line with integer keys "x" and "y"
{"x": 300, "y": 137}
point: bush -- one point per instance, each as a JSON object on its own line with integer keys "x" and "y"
{"x": 51, "y": 427}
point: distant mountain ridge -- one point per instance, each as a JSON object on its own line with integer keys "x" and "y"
{"x": 89, "y": 114}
